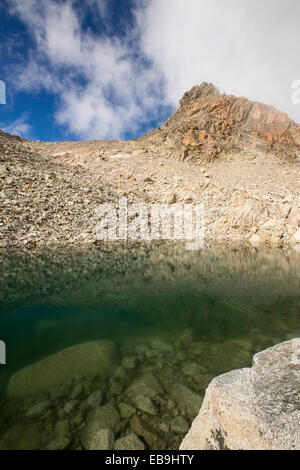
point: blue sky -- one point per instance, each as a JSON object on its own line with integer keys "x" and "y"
{"x": 101, "y": 69}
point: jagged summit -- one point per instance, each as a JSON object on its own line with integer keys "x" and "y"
{"x": 208, "y": 123}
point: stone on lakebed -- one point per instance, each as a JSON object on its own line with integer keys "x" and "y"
{"x": 87, "y": 360}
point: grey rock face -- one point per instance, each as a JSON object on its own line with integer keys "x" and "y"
{"x": 252, "y": 408}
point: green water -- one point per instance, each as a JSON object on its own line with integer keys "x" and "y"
{"x": 232, "y": 301}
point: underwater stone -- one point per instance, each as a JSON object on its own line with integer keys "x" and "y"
{"x": 88, "y": 359}
{"x": 70, "y": 406}
{"x": 147, "y": 432}
{"x": 60, "y": 443}
{"x": 129, "y": 442}
{"x": 77, "y": 391}
{"x": 95, "y": 399}
{"x": 191, "y": 369}
{"x": 38, "y": 409}
{"x": 187, "y": 400}
{"x": 126, "y": 411}
{"x": 60, "y": 391}
{"x": 102, "y": 440}
{"x": 146, "y": 385}
{"x": 21, "y": 437}
{"x": 161, "y": 346}
{"x": 129, "y": 362}
{"x": 179, "y": 425}
{"x": 171, "y": 404}
{"x": 62, "y": 428}
{"x": 184, "y": 340}
{"x": 120, "y": 372}
{"x": 145, "y": 404}
{"x": 197, "y": 348}
{"x": 202, "y": 380}
{"x": 103, "y": 417}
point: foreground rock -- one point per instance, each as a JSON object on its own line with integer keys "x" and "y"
{"x": 257, "y": 408}
{"x": 86, "y": 360}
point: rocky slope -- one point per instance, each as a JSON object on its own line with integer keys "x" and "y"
{"x": 252, "y": 409}
{"x": 241, "y": 159}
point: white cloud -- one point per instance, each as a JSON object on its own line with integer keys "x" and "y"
{"x": 244, "y": 47}
{"x": 19, "y": 127}
{"x": 103, "y": 87}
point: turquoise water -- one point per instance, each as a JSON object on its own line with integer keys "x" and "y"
{"x": 137, "y": 294}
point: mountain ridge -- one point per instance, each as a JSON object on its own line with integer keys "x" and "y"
{"x": 239, "y": 158}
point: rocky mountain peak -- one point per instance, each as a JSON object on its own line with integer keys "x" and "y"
{"x": 198, "y": 92}
{"x": 208, "y": 124}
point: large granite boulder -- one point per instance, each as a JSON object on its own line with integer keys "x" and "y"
{"x": 91, "y": 359}
{"x": 252, "y": 408}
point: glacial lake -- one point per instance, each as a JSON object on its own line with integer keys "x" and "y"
{"x": 173, "y": 315}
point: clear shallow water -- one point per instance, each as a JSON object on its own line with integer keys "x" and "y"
{"x": 227, "y": 302}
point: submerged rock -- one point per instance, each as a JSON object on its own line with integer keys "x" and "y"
{"x": 254, "y": 408}
{"x": 161, "y": 346}
{"x": 129, "y": 362}
{"x": 102, "y": 440}
{"x": 21, "y": 437}
{"x": 192, "y": 369}
{"x": 147, "y": 433}
{"x": 95, "y": 399}
{"x": 129, "y": 442}
{"x": 126, "y": 411}
{"x": 38, "y": 409}
{"x": 60, "y": 443}
{"x": 87, "y": 360}
{"x": 179, "y": 425}
{"x": 62, "y": 428}
{"x": 184, "y": 340}
{"x": 77, "y": 391}
{"x": 146, "y": 385}
{"x": 70, "y": 406}
{"x": 187, "y": 401}
{"x": 145, "y": 404}
{"x": 103, "y": 417}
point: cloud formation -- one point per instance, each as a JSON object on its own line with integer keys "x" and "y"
{"x": 20, "y": 127}
{"x": 107, "y": 86}
{"x": 104, "y": 87}
{"x": 246, "y": 48}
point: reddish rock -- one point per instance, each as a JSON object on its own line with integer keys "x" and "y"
{"x": 206, "y": 118}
